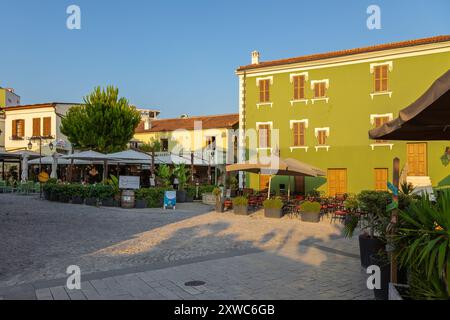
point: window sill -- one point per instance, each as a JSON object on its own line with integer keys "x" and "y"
{"x": 16, "y": 138}
{"x": 382, "y": 93}
{"x": 322, "y": 147}
{"x": 264, "y": 149}
{"x": 305, "y": 101}
{"x": 320, "y": 99}
{"x": 264, "y": 104}
{"x": 374, "y": 145}
{"x": 299, "y": 147}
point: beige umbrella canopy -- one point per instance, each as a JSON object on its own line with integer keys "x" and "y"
{"x": 277, "y": 166}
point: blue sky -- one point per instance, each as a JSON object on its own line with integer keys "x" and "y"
{"x": 180, "y": 56}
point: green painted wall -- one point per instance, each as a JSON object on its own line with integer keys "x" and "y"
{"x": 2, "y": 97}
{"x": 348, "y": 116}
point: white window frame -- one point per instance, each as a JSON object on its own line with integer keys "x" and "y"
{"x": 372, "y": 70}
{"x": 327, "y": 86}
{"x": 327, "y": 133}
{"x": 270, "y": 123}
{"x": 374, "y": 116}
{"x": 291, "y": 77}
{"x": 262, "y": 104}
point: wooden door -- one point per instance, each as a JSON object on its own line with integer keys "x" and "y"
{"x": 381, "y": 179}
{"x": 417, "y": 159}
{"x": 264, "y": 182}
{"x": 337, "y": 181}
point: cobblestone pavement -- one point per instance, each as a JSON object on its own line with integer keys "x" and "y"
{"x": 238, "y": 257}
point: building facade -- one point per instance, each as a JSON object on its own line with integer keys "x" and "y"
{"x": 319, "y": 109}
{"x": 23, "y": 122}
{"x": 206, "y": 141}
{"x": 7, "y": 98}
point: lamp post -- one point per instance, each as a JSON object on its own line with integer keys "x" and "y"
{"x": 30, "y": 146}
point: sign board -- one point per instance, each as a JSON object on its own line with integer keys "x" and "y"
{"x": 43, "y": 177}
{"x": 129, "y": 182}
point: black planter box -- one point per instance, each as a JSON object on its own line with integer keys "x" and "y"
{"x": 91, "y": 201}
{"x": 385, "y": 268}
{"x": 77, "y": 200}
{"x": 273, "y": 213}
{"x": 189, "y": 198}
{"x": 311, "y": 217}
{"x": 53, "y": 197}
{"x": 64, "y": 199}
{"x": 110, "y": 203}
{"x": 140, "y": 204}
{"x": 367, "y": 247}
{"x": 181, "y": 196}
{"x": 46, "y": 195}
{"x": 240, "y": 210}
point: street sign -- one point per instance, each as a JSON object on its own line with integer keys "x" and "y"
{"x": 43, "y": 177}
{"x": 129, "y": 182}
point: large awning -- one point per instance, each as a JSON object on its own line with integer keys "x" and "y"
{"x": 277, "y": 166}
{"x": 428, "y": 118}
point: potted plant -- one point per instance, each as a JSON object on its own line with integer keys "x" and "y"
{"x": 382, "y": 261}
{"x": 91, "y": 196}
{"x": 376, "y": 218}
{"x": 111, "y": 196}
{"x": 190, "y": 194}
{"x": 310, "y": 211}
{"x": 181, "y": 173}
{"x": 47, "y": 188}
{"x": 141, "y": 201}
{"x": 273, "y": 208}
{"x": 217, "y": 192}
{"x": 64, "y": 193}
{"x": 77, "y": 193}
{"x": 240, "y": 206}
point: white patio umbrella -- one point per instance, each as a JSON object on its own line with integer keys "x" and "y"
{"x": 54, "y": 173}
{"x": 24, "y": 175}
{"x": 91, "y": 156}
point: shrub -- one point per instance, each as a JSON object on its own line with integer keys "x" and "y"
{"x": 191, "y": 191}
{"x": 240, "y": 201}
{"x": 100, "y": 191}
{"x": 275, "y": 203}
{"x": 205, "y": 189}
{"x": 153, "y": 196}
{"x": 309, "y": 206}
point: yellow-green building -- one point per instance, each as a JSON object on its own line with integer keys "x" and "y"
{"x": 319, "y": 108}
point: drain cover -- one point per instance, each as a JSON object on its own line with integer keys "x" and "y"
{"x": 194, "y": 283}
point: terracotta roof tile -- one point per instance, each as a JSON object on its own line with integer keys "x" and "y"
{"x": 342, "y": 53}
{"x": 208, "y": 122}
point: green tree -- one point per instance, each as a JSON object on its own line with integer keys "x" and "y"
{"x": 104, "y": 123}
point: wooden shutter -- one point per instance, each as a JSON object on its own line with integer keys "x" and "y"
{"x": 36, "y": 127}
{"x": 14, "y": 128}
{"x": 299, "y": 134}
{"x": 322, "y": 137}
{"x": 47, "y": 132}
{"x": 299, "y": 87}
{"x": 379, "y": 121}
{"x": 264, "y": 136}
{"x": 20, "y": 128}
{"x": 264, "y": 94}
{"x": 381, "y": 179}
{"x": 381, "y": 78}
{"x": 319, "y": 89}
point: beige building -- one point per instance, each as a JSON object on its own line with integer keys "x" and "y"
{"x": 23, "y": 122}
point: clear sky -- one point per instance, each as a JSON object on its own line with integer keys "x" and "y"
{"x": 180, "y": 56}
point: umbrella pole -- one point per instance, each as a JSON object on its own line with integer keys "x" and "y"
{"x": 270, "y": 185}
{"x": 289, "y": 189}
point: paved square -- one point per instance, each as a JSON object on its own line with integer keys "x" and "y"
{"x": 151, "y": 254}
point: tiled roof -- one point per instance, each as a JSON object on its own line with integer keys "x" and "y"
{"x": 208, "y": 122}
{"x": 335, "y": 54}
{"x": 37, "y": 106}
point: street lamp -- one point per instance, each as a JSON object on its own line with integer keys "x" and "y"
{"x": 30, "y": 146}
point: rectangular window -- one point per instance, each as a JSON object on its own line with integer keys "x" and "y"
{"x": 381, "y": 78}
{"x": 47, "y": 132}
{"x": 211, "y": 143}
{"x": 264, "y": 93}
{"x": 299, "y": 134}
{"x": 164, "y": 145}
{"x": 299, "y": 87}
{"x": 18, "y": 129}
{"x": 320, "y": 89}
{"x": 36, "y": 127}
{"x": 322, "y": 137}
{"x": 379, "y": 121}
{"x": 264, "y": 135}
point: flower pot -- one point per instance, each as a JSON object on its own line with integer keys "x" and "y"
{"x": 397, "y": 291}
{"x": 47, "y": 195}
{"x": 273, "y": 213}
{"x": 181, "y": 196}
{"x": 311, "y": 217}
{"x": 91, "y": 201}
{"x": 141, "y": 204}
{"x": 77, "y": 200}
{"x": 385, "y": 276}
{"x": 240, "y": 210}
{"x": 367, "y": 247}
{"x": 53, "y": 197}
{"x": 110, "y": 202}
{"x": 189, "y": 198}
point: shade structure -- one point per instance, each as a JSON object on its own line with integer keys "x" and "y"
{"x": 9, "y": 156}
{"x": 276, "y": 166}
{"x": 130, "y": 156}
{"x": 91, "y": 156}
{"x": 24, "y": 175}
{"x": 49, "y": 160}
{"x": 428, "y": 118}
